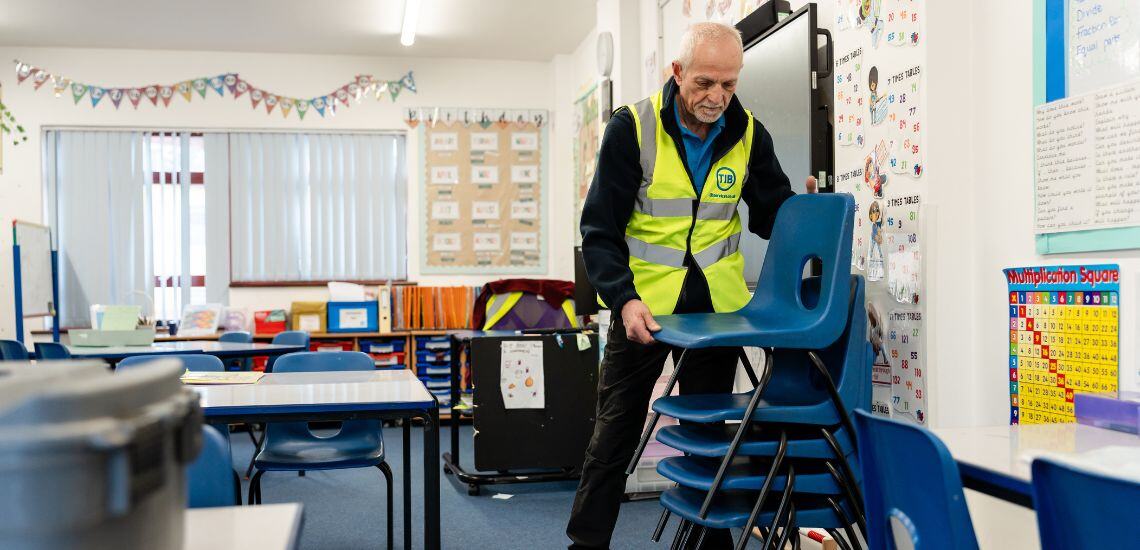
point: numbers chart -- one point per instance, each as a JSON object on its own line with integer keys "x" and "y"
{"x": 1063, "y": 338}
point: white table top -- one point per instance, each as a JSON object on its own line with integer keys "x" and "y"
{"x": 1008, "y": 450}
{"x": 266, "y": 527}
{"x": 340, "y": 390}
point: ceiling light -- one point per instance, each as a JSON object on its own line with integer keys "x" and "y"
{"x": 411, "y": 17}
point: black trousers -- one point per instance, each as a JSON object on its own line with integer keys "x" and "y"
{"x": 629, "y": 372}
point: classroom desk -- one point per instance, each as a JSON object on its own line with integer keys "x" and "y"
{"x": 268, "y": 527}
{"x": 995, "y": 460}
{"x": 343, "y": 395}
{"x": 222, "y": 350}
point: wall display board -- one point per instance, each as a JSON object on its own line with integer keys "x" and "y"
{"x": 877, "y": 81}
{"x": 1087, "y": 105}
{"x": 483, "y": 181}
{"x": 1063, "y": 338}
{"x": 587, "y": 141}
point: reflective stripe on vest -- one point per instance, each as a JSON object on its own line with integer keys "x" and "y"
{"x": 667, "y": 207}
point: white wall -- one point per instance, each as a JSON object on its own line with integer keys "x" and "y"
{"x": 441, "y": 82}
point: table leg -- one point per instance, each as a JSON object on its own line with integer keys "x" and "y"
{"x": 431, "y": 480}
{"x": 456, "y": 370}
{"x": 407, "y": 483}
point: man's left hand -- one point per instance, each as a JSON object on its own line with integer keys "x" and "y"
{"x": 811, "y": 185}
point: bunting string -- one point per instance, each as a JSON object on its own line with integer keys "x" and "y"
{"x": 360, "y": 87}
{"x": 466, "y": 117}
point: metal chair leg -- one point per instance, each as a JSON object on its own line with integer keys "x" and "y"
{"x": 845, "y": 485}
{"x": 835, "y": 397}
{"x": 845, "y": 467}
{"x": 654, "y": 417}
{"x": 745, "y": 423}
{"x": 256, "y": 449}
{"x": 780, "y": 510}
{"x": 748, "y": 367}
{"x": 255, "y": 488}
{"x": 387, "y": 471}
{"x": 660, "y": 525}
{"x": 846, "y": 521}
{"x": 237, "y": 488}
{"x": 839, "y": 540}
{"x": 788, "y": 526}
{"x": 701, "y": 536}
{"x": 688, "y": 534}
{"x": 767, "y": 486}
{"x": 677, "y": 536}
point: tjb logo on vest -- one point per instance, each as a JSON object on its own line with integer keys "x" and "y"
{"x": 725, "y": 178}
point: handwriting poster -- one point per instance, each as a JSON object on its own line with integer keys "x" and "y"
{"x": 879, "y": 71}
{"x": 483, "y": 193}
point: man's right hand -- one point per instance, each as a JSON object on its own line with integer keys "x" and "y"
{"x": 638, "y": 321}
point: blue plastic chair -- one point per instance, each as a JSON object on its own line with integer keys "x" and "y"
{"x": 52, "y": 351}
{"x": 288, "y": 338}
{"x": 13, "y": 350}
{"x": 238, "y": 337}
{"x": 197, "y": 362}
{"x": 1082, "y": 509}
{"x": 798, "y": 418}
{"x": 925, "y": 497}
{"x": 784, "y": 312}
{"x": 211, "y": 480}
{"x": 292, "y": 446}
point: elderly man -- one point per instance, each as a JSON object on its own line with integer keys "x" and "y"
{"x": 660, "y": 235}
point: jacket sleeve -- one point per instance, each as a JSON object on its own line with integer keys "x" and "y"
{"x": 767, "y": 186}
{"x": 607, "y": 209}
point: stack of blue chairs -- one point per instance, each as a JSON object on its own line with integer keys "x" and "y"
{"x": 795, "y": 434}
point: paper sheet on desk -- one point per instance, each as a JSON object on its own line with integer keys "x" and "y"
{"x": 521, "y": 378}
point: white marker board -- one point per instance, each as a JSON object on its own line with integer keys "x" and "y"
{"x": 35, "y": 268}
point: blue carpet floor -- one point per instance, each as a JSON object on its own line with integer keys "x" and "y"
{"x": 345, "y": 509}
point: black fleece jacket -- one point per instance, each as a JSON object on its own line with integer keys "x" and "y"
{"x": 610, "y": 201}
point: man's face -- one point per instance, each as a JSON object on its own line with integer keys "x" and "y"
{"x": 709, "y": 81}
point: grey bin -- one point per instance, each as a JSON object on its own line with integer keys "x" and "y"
{"x": 91, "y": 459}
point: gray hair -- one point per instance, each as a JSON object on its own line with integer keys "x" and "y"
{"x": 699, "y": 33}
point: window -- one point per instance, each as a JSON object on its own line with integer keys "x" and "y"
{"x": 317, "y": 207}
{"x": 144, "y": 217}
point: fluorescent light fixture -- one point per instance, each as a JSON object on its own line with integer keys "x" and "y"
{"x": 411, "y": 17}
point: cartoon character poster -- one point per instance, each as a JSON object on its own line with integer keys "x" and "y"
{"x": 875, "y": 263}
{"x": 877, "y": 100}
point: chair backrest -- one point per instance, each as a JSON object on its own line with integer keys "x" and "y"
{"x": 807, "y": 227}
{"x": 197, "y": 362}
{"x": 1082, "y": 509}
{"x": 923, "y": 498}
{"x": 292, "y": 338}
{"x": 13, "y": 350}
{"x": 47, "y": 351}
{"x": 210, "y": 479}
{"x": 323, "y": 361}
{"x": 236, "y": 336}
{"x": 848, "y": 360}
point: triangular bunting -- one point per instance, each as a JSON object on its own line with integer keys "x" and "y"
{"x": 231, "y": 81}
{"x": 116, "y": 96}
{"x": 380, "y": 90}
{"x": 354, "y": 91}
{"x": 134, "y": 94}
{"x": 39, "y": 77}
{"x": 255, "y": 96}
{"x": 183, "y": 89}
{"x": 342, "y": 95}
{"x": 23, "y": 72}
{"x": 409, "y": 82}
{"x": 302, "y": 107}
{"x": 166, "y": 93}
{"x": 218, "y": 83}
{"x": 286, "y": 106}
{"x": 95, "y": 94}
{"x": 240, "y": 87}
{"x": 394, "y": 89}
{"x": 77, "y": 91}
{"x": 318, "y": 103}
{"x": 200, "y": 87}
{"x": 270, "y": 102}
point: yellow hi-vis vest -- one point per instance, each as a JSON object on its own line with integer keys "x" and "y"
{"x": 666, "y": 223}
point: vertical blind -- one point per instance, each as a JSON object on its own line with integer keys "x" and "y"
{"x": 313, "y": 207}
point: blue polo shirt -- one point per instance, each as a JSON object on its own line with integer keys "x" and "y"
{"x": 698, "y": 151}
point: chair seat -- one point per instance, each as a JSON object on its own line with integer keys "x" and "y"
{"x": 782, "y": 408}
{"x": 329, "y": 453}
{"x": 748, "y": 474}
{"x": 731, "y": 509}
{"x": 799, "y": 330}
{"x": 714, "y": 440}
